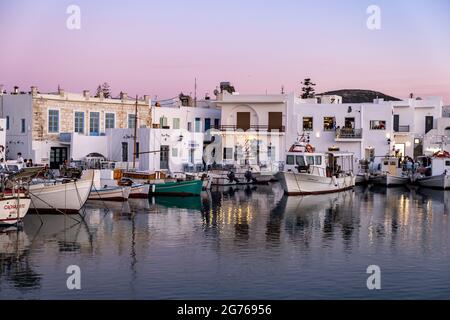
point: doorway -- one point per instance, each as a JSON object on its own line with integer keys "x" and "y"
{"x": 164, "y": 158}
{"x": 243, "y": 120}
{"x": 275, "y": 121}
{"x": 57, "y": 157}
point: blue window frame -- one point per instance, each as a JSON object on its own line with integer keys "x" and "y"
{"x": 53, "y": 121}
{"x": 79, "y": 122}
{"x": 94, "y": 123}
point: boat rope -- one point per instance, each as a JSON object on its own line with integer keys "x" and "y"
{"x": 80, "y": 201}
{"x": 103, "y": 202}
{"x": 298, "y": 185}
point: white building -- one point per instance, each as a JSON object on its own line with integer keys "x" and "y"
{"x": 364, "y": 129}
{"x": 252, "y": 130}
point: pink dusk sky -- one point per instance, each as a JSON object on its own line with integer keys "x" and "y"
{"x": 159, "y": 47}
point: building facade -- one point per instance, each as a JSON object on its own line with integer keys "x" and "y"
{"x": 42, "y": 126}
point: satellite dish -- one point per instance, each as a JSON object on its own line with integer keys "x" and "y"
{"x": 216, "y": 92}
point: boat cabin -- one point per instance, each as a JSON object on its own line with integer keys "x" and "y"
{"x": 322, "y": 164}
{"x": 438, "y": 164}
{"x": 389, "y": 165}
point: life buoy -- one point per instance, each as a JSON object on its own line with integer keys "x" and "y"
{"x": 309, "y": 148}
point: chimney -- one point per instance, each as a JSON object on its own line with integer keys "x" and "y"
{"x": 101, "y": 95}
{"x": 33, "y": 91}
{"x": 123, "y": 95}
{"x": 147, "y": 99}
{"x": 1, "y": 89}
{"x": 16, "y": 90}
{"x": 86, "y": 94}
{"x": 60, "y": 91}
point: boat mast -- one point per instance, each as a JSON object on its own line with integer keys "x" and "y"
{"x": 135, "y": 133}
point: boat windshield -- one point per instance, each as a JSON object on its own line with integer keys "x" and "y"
{"x": 300, "y": 160}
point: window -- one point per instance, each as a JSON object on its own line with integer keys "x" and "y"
{"x": 110, "y": 120}
{"x": 329, "y": 123}
{"x": 189, "y": 126}
{"x": 131, "y": 121}
{"x": 290, "y": 160}
{"x": 318, "y": 160}
{"x": 197, "y": 124}
{"x": 176, "y": 123}
{"x": 124, "y": 151}
{"x": 228, "y": 153}
{"x": 94, "y": 123}
{"x": 174, "y": 152}
{"x": 22, "y": 125}
{"x": 162, "y": 122}
{"x": 137, "y": 150}
{"x": 300, "y": 160}
{"x": 307, "y": 124}
{"x": 207, "y": 124}
{"x": 7, "y": 122}
{"x": 447, "y": 163}
{"x": 377, "y": 125}
{"x": 53, "y": 121}
{"x": 310, "y": 160}
{"x": 79, "y": 122}
{"x": 216, "y": 123}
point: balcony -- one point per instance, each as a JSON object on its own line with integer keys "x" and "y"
{"x": 402, "y": 129}
{"x": 348, "y": 134}
{"x": 254, "y": 128}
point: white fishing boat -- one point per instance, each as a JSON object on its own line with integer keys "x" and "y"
{"x": 139, "y": 191}
{"x": 61, "y": 195}
{"x": 14, "y": 200}
{"x": 362, "y": 178}
{"x": 435, "y": 172}
{"x": 13, "y": 208}
{"x": 390, "y": 175}
{"x": 308, "y": 172}
{"x": 110, "y": 193}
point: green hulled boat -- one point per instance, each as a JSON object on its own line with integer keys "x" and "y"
{"x": 179, "y": 188}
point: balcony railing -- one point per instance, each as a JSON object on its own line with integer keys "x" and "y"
{"x": 402, "y": 129}
{"x": 257, "y": 128}
{"x": 348, "y": 133}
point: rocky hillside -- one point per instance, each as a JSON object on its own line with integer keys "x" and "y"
{"x": 360, "y": 96}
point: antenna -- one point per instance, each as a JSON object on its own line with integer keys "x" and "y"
{"x": 195, "y": 92}
{"x": 282, "y": 89}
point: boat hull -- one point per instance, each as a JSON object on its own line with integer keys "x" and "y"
{"x": 182, "y": 188}
{"x": 13, "y": 209}
{"x": 437, "y": 182}
{"x": 389, "y": 180}
{"x": 140, "y": 191}
{"x": 67, "y": 197}
{"x": 298, "y": 184}
{"x": 120, "y": 194}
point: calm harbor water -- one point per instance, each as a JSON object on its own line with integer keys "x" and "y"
{"x": 246, "y": 243}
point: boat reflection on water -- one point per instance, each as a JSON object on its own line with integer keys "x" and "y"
{"x": 189, "y": 203}
{"x": 15, "y": 266}
{"x": 70, "y": 233}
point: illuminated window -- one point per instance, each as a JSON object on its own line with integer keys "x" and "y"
{"x": 329, "y": 123}
{"x": 378, "y": 125}
{"x": 307, "y": 124}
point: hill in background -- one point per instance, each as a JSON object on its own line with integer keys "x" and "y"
{"x": 360, "y": 96}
